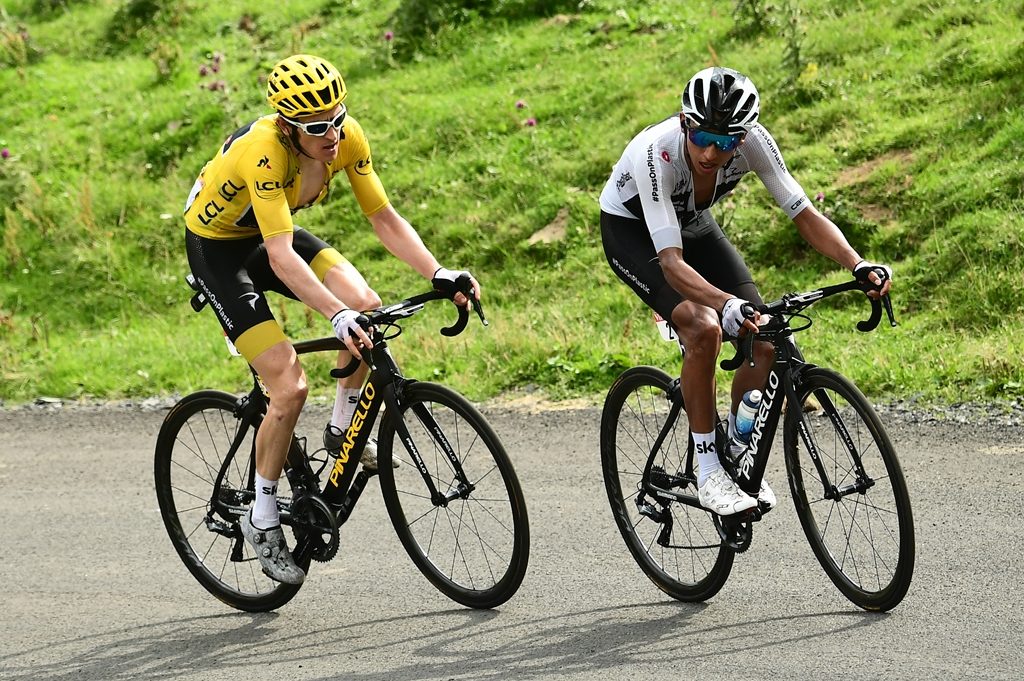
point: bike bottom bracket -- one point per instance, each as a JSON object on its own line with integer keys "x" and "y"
{"x": 735, "y": 530}
{"x": 316, "y": 526}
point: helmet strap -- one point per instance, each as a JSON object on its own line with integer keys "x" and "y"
{"x": 293, "y": 135}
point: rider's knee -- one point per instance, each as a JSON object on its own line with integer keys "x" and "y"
{"x": 365, "y": 300}
{"x": 291, "y": 396}
{"x": 697, "y": 326}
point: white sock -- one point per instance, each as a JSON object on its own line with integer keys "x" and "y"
{"x": 264, "y": 513}
{"x": 707, "y": 456}
{"x": 345, "y": 407}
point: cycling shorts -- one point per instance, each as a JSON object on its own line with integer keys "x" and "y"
{"x": 631, "y": 254}
{"x": 234, "y": 274}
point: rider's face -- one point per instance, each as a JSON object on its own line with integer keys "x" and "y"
{"x": 323, "y": 148}
{"x": 706, "y": 160}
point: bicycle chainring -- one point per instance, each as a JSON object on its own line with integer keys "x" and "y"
{"x": 736, "y": 531}
{"x": 315, "y": 524}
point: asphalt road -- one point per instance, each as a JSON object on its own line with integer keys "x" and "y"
{"x": 94, "y": 590}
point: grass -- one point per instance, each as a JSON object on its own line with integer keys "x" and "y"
{"x": 911, "y": 131}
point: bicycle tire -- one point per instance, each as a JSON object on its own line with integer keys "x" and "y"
{"x": 190, "y": 449}
{"x": 863, "y": 540}
{"x": 474, "y": 550}
{"x": 635, "y": 411}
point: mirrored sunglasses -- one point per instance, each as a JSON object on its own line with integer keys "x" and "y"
{"x": 320, "y": 128}
{"x": 703, "y": 138}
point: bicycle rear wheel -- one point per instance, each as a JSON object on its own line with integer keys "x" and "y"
{"x": 192, "y": 445}
{"x": 474, "y": 547}
{"x": 689, "y": 563}
{"x": 860, "y": 526}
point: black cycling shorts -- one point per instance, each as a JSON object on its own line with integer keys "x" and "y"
{"x": 235, "y": 273}
{"x": 631, "y": 254}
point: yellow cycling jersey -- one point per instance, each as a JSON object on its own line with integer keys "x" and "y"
{"x": 253, "y": 184}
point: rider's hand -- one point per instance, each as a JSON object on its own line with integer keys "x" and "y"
{"x": 739, "y": 314}
{"x": 347, "y": 328}
{"x": 445, "y": 278}
{"x": 879, "y": 275}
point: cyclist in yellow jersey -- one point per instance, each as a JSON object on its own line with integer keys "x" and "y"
{"x": 241, "y": 242}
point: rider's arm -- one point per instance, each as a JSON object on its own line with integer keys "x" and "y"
{"x": 825, "y": 237}
{"x": 298, "y": 277}
{"x": 402, "y": 241}
{"x": 688, "y": 282}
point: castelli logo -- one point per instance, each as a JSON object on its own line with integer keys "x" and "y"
{"x": 665, "y": 157}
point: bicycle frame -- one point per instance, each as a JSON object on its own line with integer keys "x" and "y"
{"x": 781, "y": 386}
{"x": 345, "y": 483}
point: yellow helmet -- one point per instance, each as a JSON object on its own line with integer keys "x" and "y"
{"x": 302, "y": 85}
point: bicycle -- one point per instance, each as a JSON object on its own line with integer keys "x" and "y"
{"x": 455, "y": 503}
{"x": 845, "y": 478}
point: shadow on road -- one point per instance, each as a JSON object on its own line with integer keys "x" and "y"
{"x": 435, "y": 645}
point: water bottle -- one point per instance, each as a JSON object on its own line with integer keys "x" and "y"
{"x": 746, "y": 413}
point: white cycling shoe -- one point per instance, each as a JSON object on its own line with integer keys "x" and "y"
{"x": 765, "y": 495}
{"x": 719, "y": 494}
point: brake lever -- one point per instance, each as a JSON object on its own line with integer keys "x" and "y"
{"x": 887, "y": 304}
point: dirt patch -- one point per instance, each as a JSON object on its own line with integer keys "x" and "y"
{"x": 553, "y": 231}
{"x": 535, "y": 403}
{"x": 858, "y": 174}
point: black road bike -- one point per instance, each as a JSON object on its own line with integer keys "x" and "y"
{"x": 455, "y": 500}
{"x": 845, "y": 479}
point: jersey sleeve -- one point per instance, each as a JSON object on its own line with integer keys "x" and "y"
{"x": 358, "y": 165}
{"x": 655, "y": 180}
{"x": 765, "y": 159}
{"x": 264, "y": 171}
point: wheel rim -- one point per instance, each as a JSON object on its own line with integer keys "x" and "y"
{"x": 861, "y": 534}
{"x": 469, "y": 543}
{"x": 197, "y": 452}
{"x": 698, "y": 546}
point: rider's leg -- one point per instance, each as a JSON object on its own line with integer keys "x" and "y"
{"x": 701, "y": 336}
{"x": 281, "y": 373}
{"x": 750, "y": 377}
{"x": 345, "y": 282}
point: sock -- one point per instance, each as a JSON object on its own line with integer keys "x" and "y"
{"x": 264, "y": 513}
{"x": 345, "y": 407}
{"x": 707, "y": 456}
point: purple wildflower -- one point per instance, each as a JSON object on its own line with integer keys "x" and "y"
{"x": 520, "y": 104}
{"x": 203, "y": 70}
{"x": 389, "y": 36}
{"x": 819, "y": 197}
{"x": 530, "y": 122}
{"x": 5, "y": 153}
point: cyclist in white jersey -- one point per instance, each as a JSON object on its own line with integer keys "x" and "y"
{"x": 660, "y": 238}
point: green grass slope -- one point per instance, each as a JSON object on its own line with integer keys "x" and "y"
{"x": 902, "y": 117}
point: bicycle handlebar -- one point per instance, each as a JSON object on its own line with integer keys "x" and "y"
{"x": 793, "y": 303}
{"x": 410, "y": 306}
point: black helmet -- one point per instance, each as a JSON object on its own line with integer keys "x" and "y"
{"x": 722, "y": 101}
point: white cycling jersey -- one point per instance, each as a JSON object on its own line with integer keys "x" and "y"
{"x": 653, "y": 181}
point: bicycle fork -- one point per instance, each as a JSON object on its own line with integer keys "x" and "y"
{"x": 863, "y": 482}
{"x": 462, "y": 487}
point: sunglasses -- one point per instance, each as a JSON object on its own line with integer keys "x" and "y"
{"x": 320, "y": 128}
{"x": 702, "y": 139}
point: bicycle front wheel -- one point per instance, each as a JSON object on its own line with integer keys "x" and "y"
{"x": 676, "y": 545}
{"x": 193, "y": 443}
{"x": 849, "y": 492}
{"x": 471, "y": 541}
